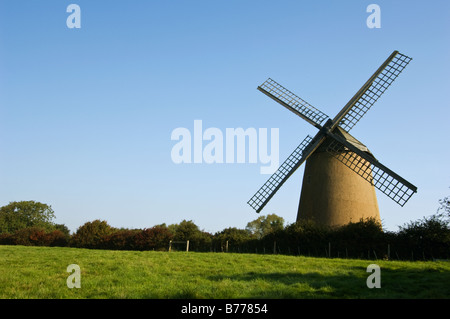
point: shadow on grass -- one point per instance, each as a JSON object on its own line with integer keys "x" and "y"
{"x": 298, "y": 285}
{"x": 394, "y": 284}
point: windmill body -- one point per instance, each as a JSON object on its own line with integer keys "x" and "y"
{"x": 341, "y": 174}
{"x": 334, "y": 195}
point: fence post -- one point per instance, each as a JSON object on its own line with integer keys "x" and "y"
{"x": 187, "y": 245}
{"x": 170, "y": 246}
{"x": 226, "y": 246}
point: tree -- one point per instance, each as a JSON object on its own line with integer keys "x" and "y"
{"x": 443, "y": 211}
{"x": 265, "y": 225}
{"x": 429, "y": 236}
{"x": 188, "y": 230}
{"x": 236, "y": 237}
{"x": 19, "y": 215}
{"x": 233, "y": 234}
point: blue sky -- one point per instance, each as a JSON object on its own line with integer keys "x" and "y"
{"x": 86, "y": 115}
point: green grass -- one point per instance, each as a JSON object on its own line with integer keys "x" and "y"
{"x": 40, "y": 272}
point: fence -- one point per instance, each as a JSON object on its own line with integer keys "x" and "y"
{"x": 179, "y": 242}
{"x": 387, "y": 251}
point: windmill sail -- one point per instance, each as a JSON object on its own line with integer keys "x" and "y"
{"x": 271, "y": 186}
{"x": 366, "y": 166}
{"x": 371, "y": 91}
{"x": 292, "y": 102}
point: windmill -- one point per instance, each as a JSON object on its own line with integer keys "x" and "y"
{"x": 340, "y": 172}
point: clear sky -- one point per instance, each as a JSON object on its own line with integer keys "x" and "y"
{"x": 86, "y": 115}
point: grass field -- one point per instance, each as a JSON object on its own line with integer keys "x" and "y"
{"x": 40, "y": 272}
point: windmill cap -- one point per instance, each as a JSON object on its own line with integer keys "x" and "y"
{"x": 349, "y": 138}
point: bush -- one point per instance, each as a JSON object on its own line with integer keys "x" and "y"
{"x": 30, "y": 236}
{"x": 307, "y": 237}
{"x": 6, "y": 239}
{"x": 155, "y": 238}
{"x": 91, "y": 234}
{"x": 234, "y": 236}
{"x": 34, "y": 236}
{"x": 62, "y": 228}
{"x": 188, "y": 230}
{"x": 122, "y": 239}
{"x": 358, "y": 239}
{"x": 56, "y": 238}
{"x": 201, "y": 242}
{"x": 426, "y": 238}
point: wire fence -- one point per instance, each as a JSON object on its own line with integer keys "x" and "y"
{"x": 386, "y": 251}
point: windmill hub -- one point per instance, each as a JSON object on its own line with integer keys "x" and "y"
{"x": 326, "y": 128}
{"x": 333, "y": 192}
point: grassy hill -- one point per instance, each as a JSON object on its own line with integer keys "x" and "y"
{"x": 40, "y": 272}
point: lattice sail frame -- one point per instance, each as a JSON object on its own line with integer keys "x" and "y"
{"x": 265, "y": 193}
{"x": 292, "y": 102}
{"x": 388, "y": 182}
{"x": 377, "y": 87}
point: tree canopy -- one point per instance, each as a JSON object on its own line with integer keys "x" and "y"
{"x": 188, "y": 230}
{"x": 19, "y": 215}
{"x": 265, "y": 225}
{"x": 443, "y": 211}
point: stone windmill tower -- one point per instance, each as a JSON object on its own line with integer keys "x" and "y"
{"x": 340, "y": 172}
